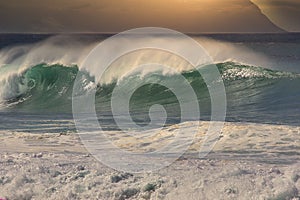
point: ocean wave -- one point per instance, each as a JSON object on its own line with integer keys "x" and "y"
{"x": 46, "y": 86}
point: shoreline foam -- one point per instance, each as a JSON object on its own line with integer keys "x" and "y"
{"x": 250, "y": 161}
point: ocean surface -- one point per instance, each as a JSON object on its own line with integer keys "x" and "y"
{"x": 261, "y": 74}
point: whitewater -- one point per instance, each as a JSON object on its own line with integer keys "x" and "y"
{"x": 38, "y": 77}
{"x": 256, "y": 155}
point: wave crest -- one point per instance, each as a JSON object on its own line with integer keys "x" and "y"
{"x": 50, "y": 87}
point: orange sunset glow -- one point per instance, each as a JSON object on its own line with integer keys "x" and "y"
{"x": 114, "y": 16}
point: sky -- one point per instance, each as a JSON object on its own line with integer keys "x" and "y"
{"x": 189, "y": 16}
{"x": 283, "y": 13}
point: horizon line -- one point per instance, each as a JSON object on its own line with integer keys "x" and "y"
{"x": 114, "y": 33}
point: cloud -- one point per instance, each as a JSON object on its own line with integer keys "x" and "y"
{"x": 115, "y": 16}
{"x": 284, "y": 13}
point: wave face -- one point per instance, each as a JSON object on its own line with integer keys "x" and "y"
{"x": 41, "y": 87}
{"x": 254, "y": 94}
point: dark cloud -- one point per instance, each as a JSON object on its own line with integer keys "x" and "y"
{"x": 283, "y": 3}
{"x": 119, "y": 15}
{"x": 283, "y": 13}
